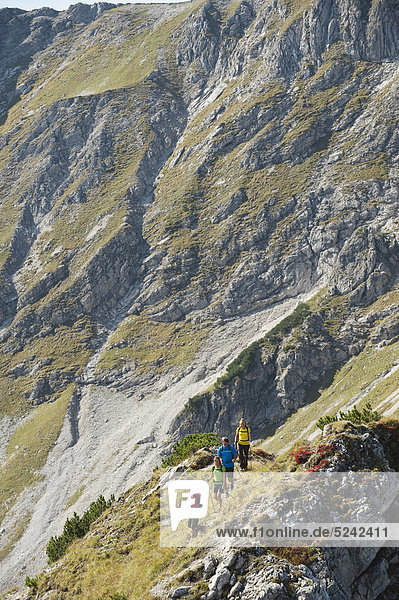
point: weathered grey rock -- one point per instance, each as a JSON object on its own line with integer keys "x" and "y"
{"x": 210, "y": 566}
{"x": 181, "y": 591}
{"x": 40, "y": 391}
{"x": 240, "y": 562}
{"x": 235, "y": 590}
{"x": 220, "y": 580}
{"x": 280, "y": 581}
{"x": 229, "y": 560}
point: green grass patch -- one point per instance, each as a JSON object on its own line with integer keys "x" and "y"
{"x": 389, "y": 300}
{"x": 373, "y": 168}
{"x": 13, "y": 392}
{"x": 15, "y": 536}
{"x": 283, "y": 181}
{"x": 123, "y": 547}
{"x": 29, "y": 447}
{"x": 75, "y": 497}
{"x": 114, "y": 60}
{"x": 150, "y": 345}
{"x": 65, "y": 351}
{"x": 363, "y": 370}
{"x": 382, "y": 391}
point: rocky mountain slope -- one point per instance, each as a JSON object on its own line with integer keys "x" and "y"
{"x": 175, "y": 180}
{"x": 120, "y": 558}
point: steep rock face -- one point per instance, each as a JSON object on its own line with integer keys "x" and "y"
{"x": 289, "y": 367}
{"x": 173, "y": 179}
{"x": 25, "y": 34}
{"x": 368, "y": 29}
{"x": 94, "y": 291}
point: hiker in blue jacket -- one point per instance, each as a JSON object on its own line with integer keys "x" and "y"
{"x": 228, "y": 454}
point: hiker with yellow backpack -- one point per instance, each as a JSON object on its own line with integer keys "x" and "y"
{"x": 243, "y": 442}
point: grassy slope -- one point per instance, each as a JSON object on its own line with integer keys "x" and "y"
{"x": 152, "y": 346}
{"x": 121, "y": 553}
{"x": 28, "y": 448}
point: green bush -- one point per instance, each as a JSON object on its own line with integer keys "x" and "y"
{"x": 76, "y": 527}
{"x": 190, "y": 444}
{"x": 31, "y": 582}
{"x": 240, "y": 366}
{"x": 326, "y": 420}
{"x": 366, "y": 415}
{"x": 296, "y": 318}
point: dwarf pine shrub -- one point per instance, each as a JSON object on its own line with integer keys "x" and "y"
{"x": 32, "y": 583}
{"x": 190, "y": 444}
{"x": 76, "y": 527}
{"x": 366, "y": 415}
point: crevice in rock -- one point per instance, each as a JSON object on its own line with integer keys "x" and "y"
{"x": 73, "y": 417}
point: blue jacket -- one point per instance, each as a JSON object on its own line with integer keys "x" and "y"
{"x": 227, "y": 453}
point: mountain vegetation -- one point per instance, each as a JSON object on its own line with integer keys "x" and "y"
{"x": 199, "y": 222}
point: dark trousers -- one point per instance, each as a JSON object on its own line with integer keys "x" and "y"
{"x": 243, "y": 455}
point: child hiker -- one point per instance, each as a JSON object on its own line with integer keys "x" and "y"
{"x": 219, "y": 479}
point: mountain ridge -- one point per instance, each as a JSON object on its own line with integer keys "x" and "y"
{"x": 175, "y": 179}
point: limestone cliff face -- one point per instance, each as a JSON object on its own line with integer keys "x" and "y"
{"x": 174, "y": 180}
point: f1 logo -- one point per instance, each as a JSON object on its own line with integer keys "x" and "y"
{"x": 188, "y": 499}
